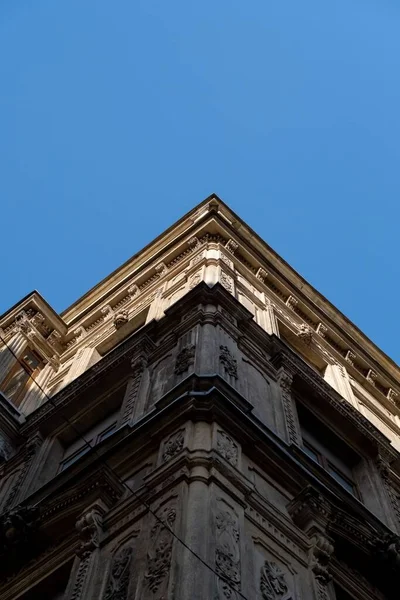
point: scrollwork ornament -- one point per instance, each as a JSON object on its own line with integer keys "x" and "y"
{"x": 118, "y": 579}
{"x": 227, "y": 448}
{"x": 185, "y": 359}
{"x": 273, "y": 584}
{"x": 173, "y": 445}
{"x": 228, "y": 361}
{"x": 160, "y": 553}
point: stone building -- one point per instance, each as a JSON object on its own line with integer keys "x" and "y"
{"x": 201, "y": 425}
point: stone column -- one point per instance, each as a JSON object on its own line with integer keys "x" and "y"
{"x": 195, "y": 579}
{"x": 35, "y": 396}
{"x": 82, "y": 582}
{"x": 7, "y": 359}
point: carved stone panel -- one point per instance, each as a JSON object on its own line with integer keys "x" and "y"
{"x": 227, "y": 552}
{"x": 159, "y": 554}
{"x": 173, "y": 445}
{"x": 118, "y": 579}
{"x": 228, "y": 361}
{"x": 273, "y": 585}
{"x": 185, "y": 359}
{"x": 227, "y": 448}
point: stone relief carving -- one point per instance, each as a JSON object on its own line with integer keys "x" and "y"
{"x": 231, "y": 246}
{"x": 285, "y": 381}
{"x": 305, "y": 334}
{"x": 118, "y": 579}
{"x": 133, "y": 290}
{"x": 273, "y": 584}
{"x": 120, "y": 318}
{"x": 350, "y": 357}
{"x": 194, "y": 280}
{"x": 32, "y": 447}
{"x": 80, "y": 578}
{"x": 371, "y": 376}
{"x": 138, "y": 366}
{"x": 228, "y": 361}
{"x": 227, "y": 552}
{"x": 320, "y": 557}
{"x": 322, "y": 330}
{"x": 227, "y": 448}
{"x": 160, "y": 553}
{"x": 292, "y": 302}
{"x": 185, "y": 359}
{"x": 89, "y": 527}
{"x": 261, "y": 274}
{"x": 173, "y": 445}
{"x": 227, "y": 282}
{"x": 107, "y": 312}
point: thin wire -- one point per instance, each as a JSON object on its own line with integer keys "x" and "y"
{"x": 135, "y": 494}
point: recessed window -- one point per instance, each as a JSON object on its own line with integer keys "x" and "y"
{"x": 324, "y": 447}
{"x": 17, "y": 381}
{"x": 100, "y": 432}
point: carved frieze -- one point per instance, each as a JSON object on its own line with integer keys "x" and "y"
{"x": 173, "y": 445}
{"x": 160, "y": 553}
{"x": 118, "y": 579}
{"x": 227, "y": 552}
{"x": 227, "y": 448}
{"x": 228, "y": 361}
{"x": 273, "y": 584}
{"x": 185, "y": 359}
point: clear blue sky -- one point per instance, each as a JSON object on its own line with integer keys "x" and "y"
{"x": 117, "y": 117}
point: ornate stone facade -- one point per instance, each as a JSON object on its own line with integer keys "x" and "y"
{"x": 173, "y": 450}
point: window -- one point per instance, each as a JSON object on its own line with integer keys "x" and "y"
{"x": 100, "y": 432}
{"x": 16, "y": 383}
{"x": 324, "y": 447}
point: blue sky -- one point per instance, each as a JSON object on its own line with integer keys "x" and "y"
{"x": 118, "y": 117}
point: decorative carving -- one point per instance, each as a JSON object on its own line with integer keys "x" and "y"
{"x": 120, "y": 318}
{"x": 133, "y": 290}
{"x": 286, "y": 381}
{"x": 388, "y": 550}
{"x": 194, "y": 243}
{"x": 159, "y": 553}
{"x": 350, "y": 357}
{"x": 89, "y": 527}
{"x": 118, "y": 579}
{"x": 55, "y": 340}
{"x": 227, "y": 448}
{"x": 138, "y": 365}
{"x": 80, "y": 577}
{"x": 292, "y": 302}
{"x": 320, "y": 555}
{"x": 185, "y": 359}
{"x": 305, "y": 334}
{"x": 79, "y": 332}
{"x": 228, "y": 361}
{"x": 322, "y": 330}
{"x": 371, "y": 376}
{"x": 194, "y": 280}
{"x": 261, "y": 274}
{"x": 23, "y": 324}
{"x": 393, "y": 396}
{"x": 173, "y": 445}
{"x": 226, "y": 281}
{"x": 227, "y": 553}
{"x": 231, "y": 246}
{"x": 161, "y": 269}
{"x": 32, "y": 447}
{"x": 273, "y": 584}
{"x": 107, "y": 312}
